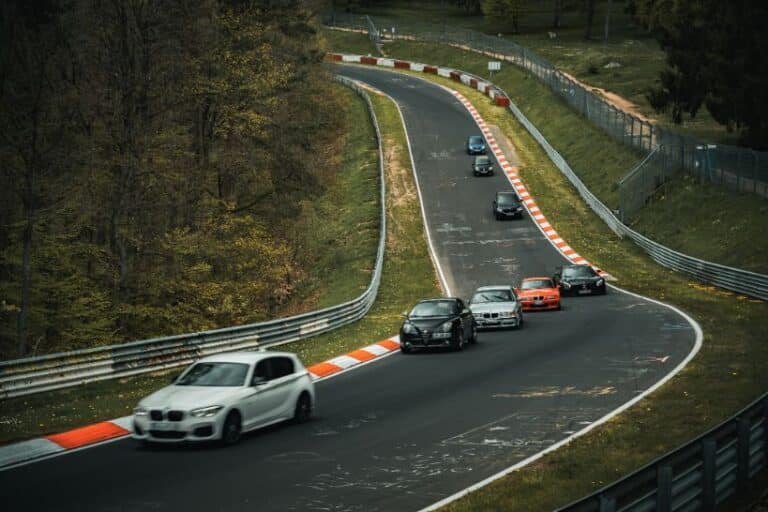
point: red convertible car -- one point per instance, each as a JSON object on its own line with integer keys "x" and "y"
{"x": 538, "y": 293}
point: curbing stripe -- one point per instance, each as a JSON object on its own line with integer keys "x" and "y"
{"x": 90, "y": 434}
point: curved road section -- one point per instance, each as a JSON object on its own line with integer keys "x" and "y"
{"x": 406, "y": 431}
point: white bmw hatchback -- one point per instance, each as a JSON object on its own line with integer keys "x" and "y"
{"x": 220, "y": 397}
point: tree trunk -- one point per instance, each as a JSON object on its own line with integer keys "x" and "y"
{"x": 608, "y": 19}
{"x": 590, "y": 8}
{"x": 26, "y": 284}
{"x": 558, "y": 10}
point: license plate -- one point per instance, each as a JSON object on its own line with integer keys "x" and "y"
{"x": 585, "y": 291}
{"x": 538, "y": 303}
{"x": 161, "y": 425}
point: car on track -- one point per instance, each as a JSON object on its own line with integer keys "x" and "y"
{"x": 482, "y": 166}
{"x": 476, "y": 145}
{"x": 579, "y": 280}
{"x": 538, "y": 293}
{"x": 496, "y": 307}
{"x": 507, "y": 205}
{"x": 221, "y": 396}
{"x": 438, "y": 323}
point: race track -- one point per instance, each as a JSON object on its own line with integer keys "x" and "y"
{"x": 405, "y": 431}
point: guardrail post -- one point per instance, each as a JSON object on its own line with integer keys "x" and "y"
{"x": 664, "y": 488}
{"x": 708, "y": 452}
{"x": 607, "y": 504}
{"x": 742, "y": 471}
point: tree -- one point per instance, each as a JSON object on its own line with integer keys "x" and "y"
{"x": 715, "y": 57}
{"x": 34, "y": 129}
{"x": 504, "y": 15}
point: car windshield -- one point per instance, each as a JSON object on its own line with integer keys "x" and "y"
{"x": 435, "y": 308}
{"x": 482, "y": 160}
{"x": 215, "y": 374}
{"x": 475, "y": 139}
{"x": 491, "y": 296}
{"x": 507, "y": 199}
{"x": 532, "y": 284}
{"x": 578, "y": 271}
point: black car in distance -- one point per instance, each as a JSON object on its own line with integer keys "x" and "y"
{"x": 476, "y": 145}
{"x": 438, "y": 323}
{"x": 579, "y": 280}
{"x": 507, "y": 205}
{"x": 482, "y": 166}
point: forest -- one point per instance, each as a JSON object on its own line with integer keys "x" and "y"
{"x": 149, "y": 154}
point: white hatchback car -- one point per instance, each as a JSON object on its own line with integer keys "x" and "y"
{"x": 221, "y": 396}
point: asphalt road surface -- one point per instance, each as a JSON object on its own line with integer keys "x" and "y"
{"x": 406, "y": 431}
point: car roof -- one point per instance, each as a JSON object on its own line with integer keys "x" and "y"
{"x": 247, "y": 357}
{"x": 494, "y": 287}
{"x": 438, "y": 299}
{"x": 536, "y": 278}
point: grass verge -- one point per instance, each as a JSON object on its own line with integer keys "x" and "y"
{"x": 354, "y": 42}
{"x": 695, "y": 218}
{"x": 729, "y": 371}
{"x": 408, "y": 275}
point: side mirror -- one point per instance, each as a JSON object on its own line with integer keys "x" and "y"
{"x": 258, "y": 381}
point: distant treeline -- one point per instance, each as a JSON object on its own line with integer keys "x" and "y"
{"x": 151, "y": 154}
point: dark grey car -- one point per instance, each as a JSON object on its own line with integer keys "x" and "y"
{"x": 438, "y": 323}
{"x": 482, "y": 165}
{"x": 507, "y": 205}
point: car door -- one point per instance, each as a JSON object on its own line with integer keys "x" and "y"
{"x": 264, "y": 398}
{"x": 284, "y": 381}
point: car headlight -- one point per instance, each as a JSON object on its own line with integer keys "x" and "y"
{"x": 206, "y": 412}
{"x": 140, "y": 411}
{"x": 600, "y": 282}
{"x": 565, "y": 285}
{"x": 551, "y": 297}
{"x": 409, "y": 328}
{"x": 446, "y": 326}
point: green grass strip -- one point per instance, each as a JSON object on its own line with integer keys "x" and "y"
{"x": 407, "y": 276}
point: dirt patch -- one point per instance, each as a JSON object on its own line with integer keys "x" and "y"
{"x": 401, "y": 192}
{"x": 614, "y": 99}
{"x": 506, "y": 145}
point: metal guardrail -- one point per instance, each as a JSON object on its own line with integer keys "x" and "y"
{"x": 56, "y": 371}
{"x": 697, "y": 476}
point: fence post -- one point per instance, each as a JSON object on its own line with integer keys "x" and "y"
{"x": 742, "y": 446}
{"x": 607, "y": 504}
{"x": 664, "y": 488}
{"x": 708, "y": 451}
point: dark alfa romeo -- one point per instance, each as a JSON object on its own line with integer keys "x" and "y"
{"x": 438, "y": 323}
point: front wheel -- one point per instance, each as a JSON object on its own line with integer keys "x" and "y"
{"x": 404, "y": 349}
{"x": 232, "y": 429}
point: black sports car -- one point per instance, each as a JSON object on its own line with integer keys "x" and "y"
{"x": 476, "y": 145}
{"x": 506, "y": 205}
{"x": 438, "y": 323}
{"x": 579, "y": 280}
{"x": 482, "y": 166}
